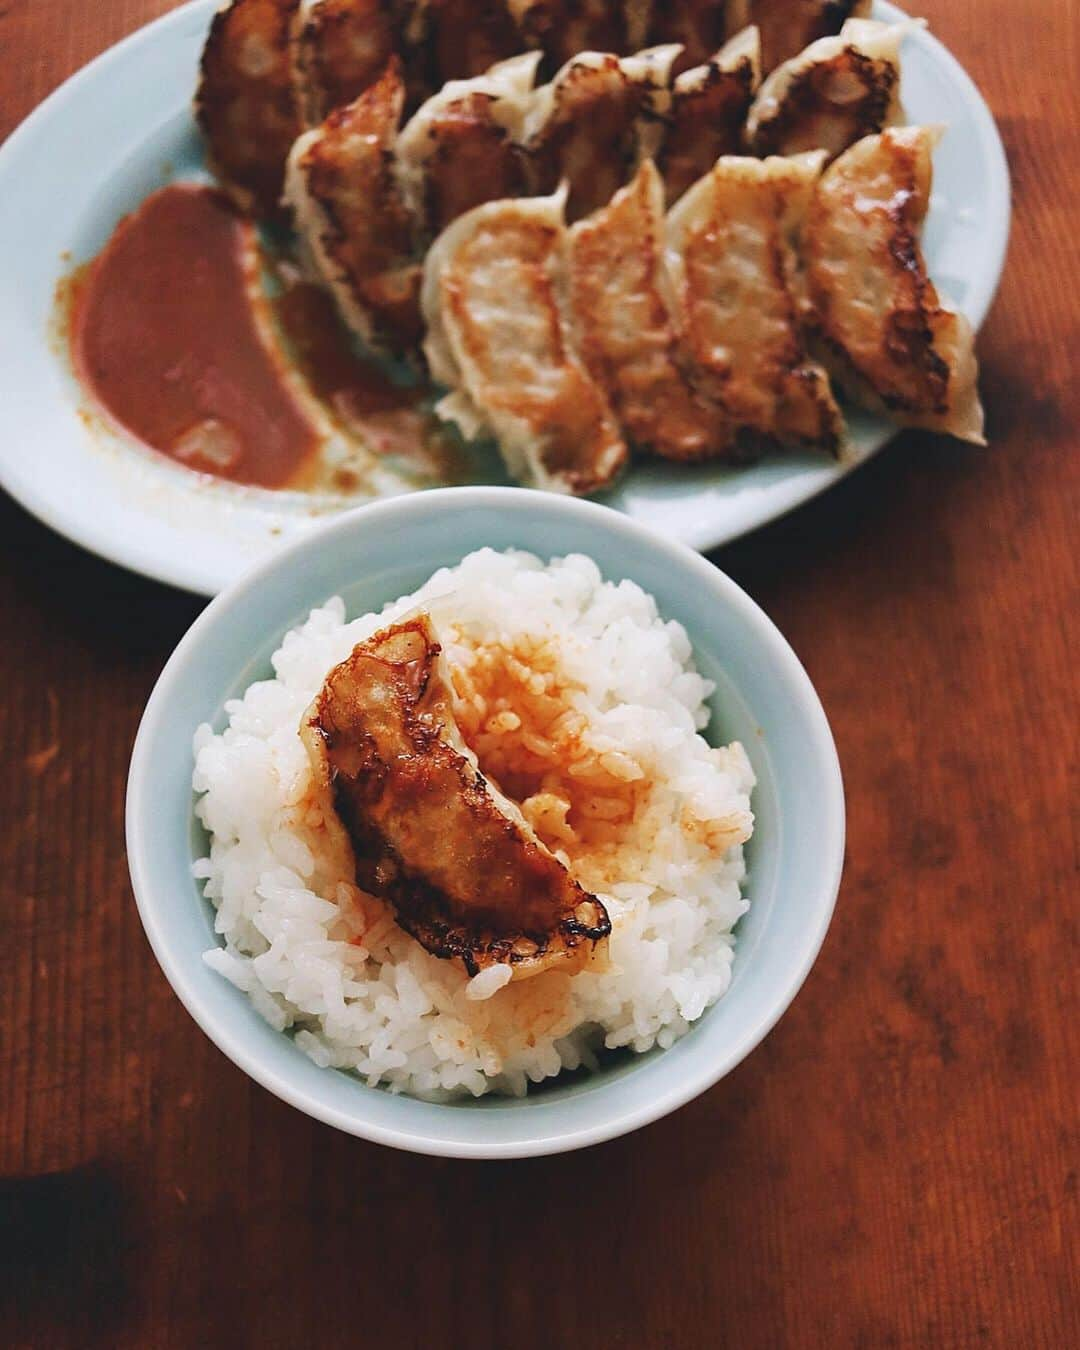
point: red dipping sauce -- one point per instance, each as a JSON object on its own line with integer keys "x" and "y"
{"x": 164, "y": 334}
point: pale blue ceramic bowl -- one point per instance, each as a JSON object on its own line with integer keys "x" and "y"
{"x": 371, "y": 555}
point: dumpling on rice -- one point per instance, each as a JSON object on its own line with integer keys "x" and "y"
{"x": 465, "y": 873}
{"x": 583, "y": 701}
{"x": 832, "y": 94}
{"x": 354, "y": 224}
{"x": 883, "y": 329}
{"x": 498, "y": 339}
{"x": 624, "y": 332}
{"x": 731, "y": 257}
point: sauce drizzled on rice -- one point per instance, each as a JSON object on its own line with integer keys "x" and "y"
{"x": 584, "y": 707}
{"x": 516, "y": 710}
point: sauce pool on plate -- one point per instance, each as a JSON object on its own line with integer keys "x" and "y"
{"x": 164, "y": 335}
{"x": 173, "y": 334}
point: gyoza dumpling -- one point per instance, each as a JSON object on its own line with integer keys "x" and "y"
{"x": 424, "y": 829}
{"x": 339, "y": 47}
{"x": 787, "y": 26}
{"x": 244, "y": 103}
{"x": 707, "y": 112}
{"x": 352, "y": 219}
{"x": 884, "y": 330}
{"x": 464, "y": 38}
{"x": 624, "y": 332}
{"x": 497, "y": 337}
{"x": 731, "y": 258}
{"x": 564, "y": 28}
{"x": 698, "y": 26}
{"x": 832, "y": 94}
{"x": 461, "y": 147}
{"x": 585, "y": 127}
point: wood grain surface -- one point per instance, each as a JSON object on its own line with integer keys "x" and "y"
{"x": 895, "y": 1166}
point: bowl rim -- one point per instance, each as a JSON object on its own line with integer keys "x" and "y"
{"x": 150, "y": 894}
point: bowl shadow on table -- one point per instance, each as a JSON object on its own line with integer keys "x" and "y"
{"x": 574, "y": 1241}
{"x": 49, "y": 1223}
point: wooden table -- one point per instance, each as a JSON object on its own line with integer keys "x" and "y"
{"x": 895, "y": 1166}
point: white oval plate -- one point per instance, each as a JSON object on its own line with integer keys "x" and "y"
{"x": 122, "y": 127}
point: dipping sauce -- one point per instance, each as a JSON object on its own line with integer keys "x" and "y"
{"x": 164, "y": 334}
{"x": 173, "y": 333}
{"x": 390, "y": 419}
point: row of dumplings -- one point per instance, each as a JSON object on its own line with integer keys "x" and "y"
{"x": 710, "y": 330}
{"x": 703, "y": 310}
{"x": 369, "y": 198}
{"x": 271, "y": 68}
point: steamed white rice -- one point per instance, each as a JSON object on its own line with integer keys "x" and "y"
{"x": 579, "y": 681}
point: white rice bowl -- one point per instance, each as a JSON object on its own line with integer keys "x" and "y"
{"x": 603, "y": 714}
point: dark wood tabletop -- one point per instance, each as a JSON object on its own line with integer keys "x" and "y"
{"x": 895, "y": 1166}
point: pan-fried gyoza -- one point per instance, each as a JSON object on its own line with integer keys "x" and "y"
{"x": 562, "y": 29}
{"x": 700, "y": 27}
{"x": 586, "y": 126}
{"x": 351, "y": 217}
{"x": 614, "y": 278}
{"x": 463, "y": 146}
{"x": 709, "y": 333}
{"x": 497, "y": 338}
{"x": 462, "y": 38}
{"x": 272, "y": 67}
{"x": 882, "y": 325}
{"x": 244, "y": 102}
{"x": 787, "y": 26}
{"x": 731, "y": 256}
{"x": 706, "y": 112}
{"x": 832, "y": 94}
{"x": 339, "y": 47}
{"x": 465, "y": 873}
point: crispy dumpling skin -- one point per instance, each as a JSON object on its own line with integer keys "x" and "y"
{"x": 244, "y": 103}
{"x": 461, "y": 147}
{"x": 498, "y": 338}
{"x": 832, "y": 94}
{"x": 587, "y": 126}
{"x": 339, "y": 47}
{"x": 624, "y": 332}
{"x": 352, "y": 219}
{"x": 464, "y": 38}
{"x": 707, "y": 111}
{"x": 883, "y": 329}
{"x": 731, "y": 257}
{"x": 699, "y": 26}
{"x": 562, "y": 29}
{"x": 787, "y": 26}
{"x": 465, "y": 873}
